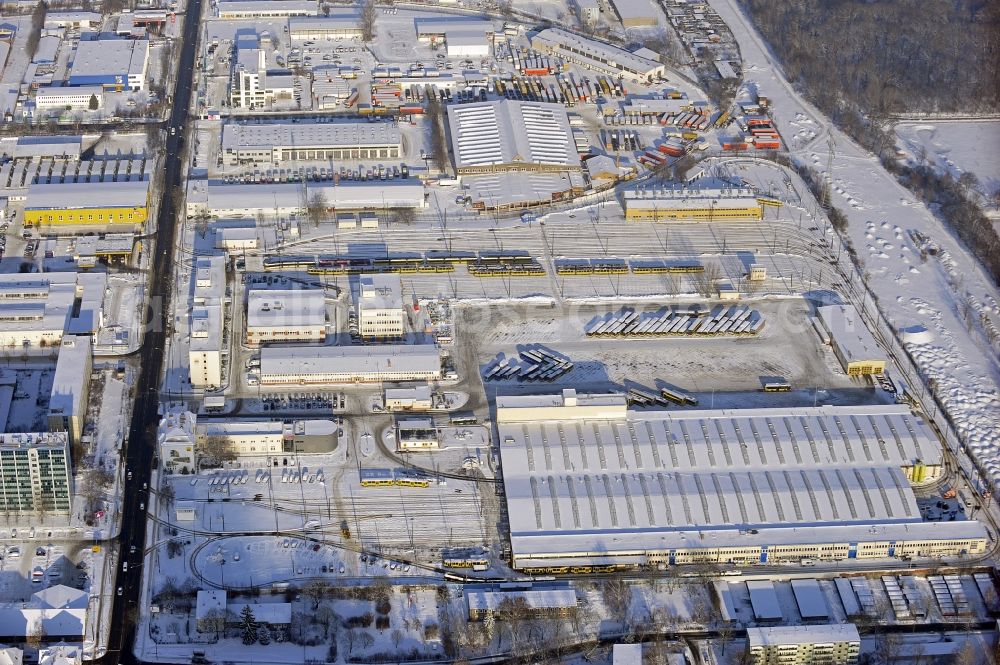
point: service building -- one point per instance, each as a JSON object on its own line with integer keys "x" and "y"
{"x": 79, "y": 207}
{"x": 285, "y": 316}
{"x": 637, "y": 13}
{"x": 858, "y": 352}
{"x": 588, "y": 483}
{"x": 81, "y": 98}
{"x": 697, "y": 201}
{"x": 274, "y": 143}
{"x": 207, "y": 314}
{"x": 37, "y": 309}
{"x": 598, "y": 55}
{"x": 320, "y": 365}
{"x": 380, "y": 307}
{"x": 229, "y": 9}
{"x": 286, "y": 199}
{"x": 113, "y": 64}
{"x": 337, "y": 26}
{"x": 70, "y": 387}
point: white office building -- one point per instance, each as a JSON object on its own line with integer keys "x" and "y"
{"x": 37, "y": 309}
{"x": 70, "y": 387}
{"x": 380, "y": 307}
{"x": 206, "y": 320}
{"x": 72, "y": 98}
{"x": 285, "y": 316}
{"x": 176, "y": 441}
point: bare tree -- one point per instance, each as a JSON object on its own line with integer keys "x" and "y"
{"x": 704, "y": 281}
{"x": 367, "y": 20}
{"x": 167, "y": 495}
{"x": 439, "y": 140}
{"x": 397, "y": 636}
{"x": 404, "y": 216}
{"x": 617, "y": 595}
{"x": 216, "y": 449}
{"x": 214, "y": 621}
{"x": 506, "y": 8}
{"x": 317, "y": 208}
{"x": 316, "y": 591}
{"x": 36, "y": 635}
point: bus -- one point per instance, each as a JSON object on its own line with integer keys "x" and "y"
{"x": 679, "y": 398}
{"x": 777, "y": 387}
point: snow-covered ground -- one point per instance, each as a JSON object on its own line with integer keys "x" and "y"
{"x": 959, "y": 359}
{"x": 956, "y": 147}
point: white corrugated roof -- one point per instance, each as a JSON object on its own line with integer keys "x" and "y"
{"x": 651, "y": 477}
{"x": 510, "y": 132}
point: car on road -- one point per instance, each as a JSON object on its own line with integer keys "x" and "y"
{"x": 131, "y": 549}
{"x": 124, "y": 566}
{"x": 119, "y": 591}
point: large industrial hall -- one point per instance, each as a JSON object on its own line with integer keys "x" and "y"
{"x": 590, "y": 483}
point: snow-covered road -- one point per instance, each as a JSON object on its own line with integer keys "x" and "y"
{"x": 912, "y": 292}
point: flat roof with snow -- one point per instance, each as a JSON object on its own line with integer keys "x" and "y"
{"x": 849, "y": 333}
{"x": 81, "y": 195}
{"x": 103, "y": 60}
{"x": 71, "y": 378}
{"x": 794, "y": 635}
{"x": 764, "y": 600}
{"x": 810, "y": 599}
{"x": 272, "y": 308}
{"x": 380, "y": 291}
{"x": 696, "y": 194}
{"x": 265, "y": 136}
{"x": 230, "y": 200}
{"x": 339, "y": 364}
{"x": 483, "y": 600}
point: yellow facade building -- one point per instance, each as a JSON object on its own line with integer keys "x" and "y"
{"x": 88, "y": 207}
{"x": 702, "y": 200}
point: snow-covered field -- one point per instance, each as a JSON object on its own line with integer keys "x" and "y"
{"x": 956, "y": 147}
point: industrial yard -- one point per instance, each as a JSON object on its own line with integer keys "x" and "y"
{"x": 537, "y": 331}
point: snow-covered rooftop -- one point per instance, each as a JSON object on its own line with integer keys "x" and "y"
{"x": 282, "y": 364}
{"x": 811, "y": 634}
{"x": 505, "y": 132}
{"x": 77, "y": 195}
{"x": 269, "y": 308}
{"x": 705, "y": 477}
{"x": 241, "y": 136}
{"x": 849, "y": 333}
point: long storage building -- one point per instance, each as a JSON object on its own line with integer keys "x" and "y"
{"x": 591, "y": 487}
{"x": 88, "y": 207}
{"x": 697, "y": 201}
{"x": 312, "y": 365}
{"x": 274, "y": 143}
